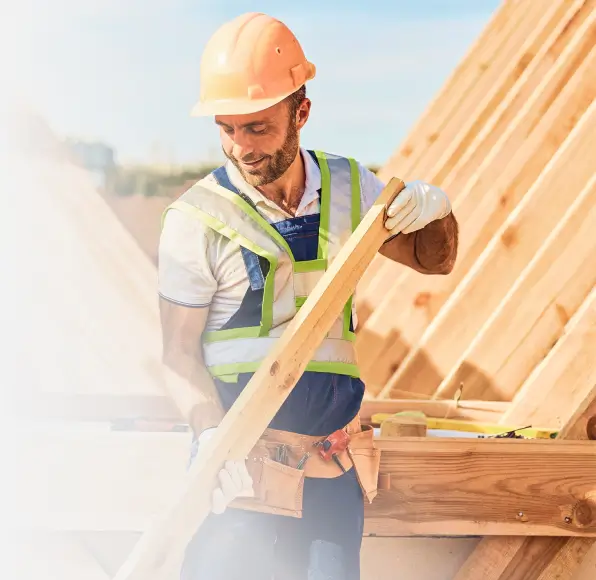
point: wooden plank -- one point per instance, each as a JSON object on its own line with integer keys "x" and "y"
{"x": 533, "y": 315}
{"x": 564, "y": 372}
{"x": 450, "y": 488}
{"x": 121, "y": 481}
{"x": 478, "y": 61}
{"x": 549, "y": 25}
{"x": 68, "y": 233}
{"x": 262, "y": 397}
{"x": 587, "y": 569}
{"x": 478, "y": 411}
{"x": 160, "y": 409}
{"x": 502, "y": 261}
{"x": 537, "y": 87}
{"x": 497, "y": 186}
{"x": 540, "y": 558}
{"x": 535, "y": 25}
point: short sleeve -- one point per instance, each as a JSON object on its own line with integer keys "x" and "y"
{"x": 370, "y": 188}
{"x": 184, "y": 273}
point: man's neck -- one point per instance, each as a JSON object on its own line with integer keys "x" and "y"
{"x": 287, "y": 191}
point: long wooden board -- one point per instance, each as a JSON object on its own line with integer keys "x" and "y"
{"x": 262, "y": 397}
{"x": 502, "y": 261}
{"x": 490, "y": 193}
{"x": 121, "y": 481}
{"x": 532, "y": 316}
{"x": 487, "y": 487}
{"x": 547, "y": 397}
{"x": 563, "y": 375}
{"x": 504, "y": 59}
{"x": 478, "y": 63}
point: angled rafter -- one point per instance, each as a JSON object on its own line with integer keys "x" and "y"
{"x": 496, "y": 187}
{"x": 502, "y": 261}
{"x": 545, "y": 399}
{"x": 532, "y": 316}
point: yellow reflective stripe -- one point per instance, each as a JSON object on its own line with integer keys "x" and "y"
{"x": 347, "y": 317}
{"x": 256, "y": 216}
{"x": 224, "y": 230}
{"x": 310, "y": 266}
{"x": 229, "y": 371}
{"x": 300, "y": 300}
{"x": 230, "y": 333}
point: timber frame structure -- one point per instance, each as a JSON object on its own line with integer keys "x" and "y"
{"x": 507, "y": 339}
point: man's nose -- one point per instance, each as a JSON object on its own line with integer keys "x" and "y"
{"x": 243, "y": 146}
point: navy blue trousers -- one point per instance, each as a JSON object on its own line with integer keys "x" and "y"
{"x": 322, "y": 545}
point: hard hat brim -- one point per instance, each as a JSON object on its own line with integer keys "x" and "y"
{"x": 235, "y": 107}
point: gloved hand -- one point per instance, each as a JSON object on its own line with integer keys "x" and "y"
{"x": 234, "y": 479}
{"x": 417, "y": 205}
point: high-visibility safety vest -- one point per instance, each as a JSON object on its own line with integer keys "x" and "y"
{"x": 288, "y": 282}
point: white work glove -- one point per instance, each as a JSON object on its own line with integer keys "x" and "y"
{"x": 414, "y": 207}
{"x": 234, "y": 479}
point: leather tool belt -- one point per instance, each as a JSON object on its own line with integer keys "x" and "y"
{"x": 278, "y": 485}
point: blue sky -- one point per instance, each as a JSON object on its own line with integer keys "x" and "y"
{"x": 126, "y": 71}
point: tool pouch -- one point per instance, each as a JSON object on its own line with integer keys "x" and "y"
{"x": 366, "y": 459}
{"x": 278, "y": 488}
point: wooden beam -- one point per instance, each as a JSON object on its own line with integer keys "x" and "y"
{"x": 478, "y": 411}
{"x": 488, "y": 487}
{"x": 533, "y": 315}
{"x": 548, "y": 398}
{"x": 514, "y": 59}
{"x": 488, "y": 194}
{"x": 121, "y": 481}
{"x": 477, "y": 63}
{"x": 555, "y": 62}
{"x": 121, "y": 409}
{"x": 507, "y": 254}
{"x": 557, "y": 386}
{"x": 262, "y": 397}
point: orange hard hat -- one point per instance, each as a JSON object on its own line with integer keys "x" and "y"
{"x": 251, "y": 63}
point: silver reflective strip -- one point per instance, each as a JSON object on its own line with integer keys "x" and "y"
{"x": 304, "y": 282}
{"x": 340, "y": 219}
{"x": 249, "y": 350}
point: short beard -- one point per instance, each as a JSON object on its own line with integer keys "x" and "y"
{"x": 275, "y": 165}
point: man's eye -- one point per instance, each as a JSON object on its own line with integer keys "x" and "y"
{"x": 257, "y": 130}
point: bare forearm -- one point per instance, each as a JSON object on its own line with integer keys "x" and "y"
{"x": 187, "y": 379}
{"x": 430, "y": 250}
{"x": 192, "y": 389}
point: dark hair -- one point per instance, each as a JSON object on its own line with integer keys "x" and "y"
{"x": 295, "y": 100}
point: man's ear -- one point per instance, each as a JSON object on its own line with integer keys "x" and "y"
{"x": 303, "y": 113}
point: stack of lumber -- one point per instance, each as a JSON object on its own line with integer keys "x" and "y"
{"x": 511, "y": 138}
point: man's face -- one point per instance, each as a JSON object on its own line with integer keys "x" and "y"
{"x": 262, "y": 145}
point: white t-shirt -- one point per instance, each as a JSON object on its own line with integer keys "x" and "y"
{"x": 199, "y": 267}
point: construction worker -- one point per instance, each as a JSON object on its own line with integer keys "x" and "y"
{"x": 239, "y": 253}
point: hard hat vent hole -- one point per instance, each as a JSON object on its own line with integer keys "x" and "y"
{"x": 278, "y": 50}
